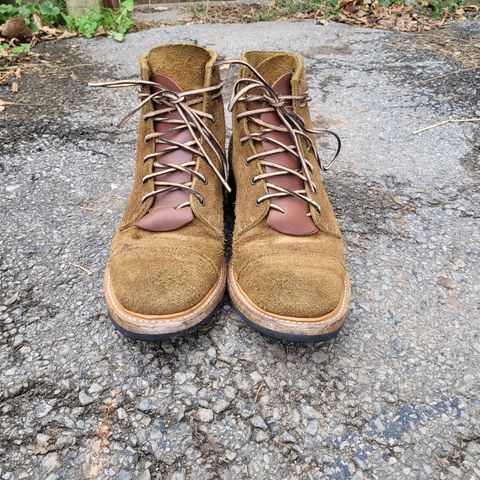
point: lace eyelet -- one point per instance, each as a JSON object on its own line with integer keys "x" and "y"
{"x": 257, "y": 204}
{"x": 253, "y": 181}
{"x": 201, "y": 201}
{"x": 205, "y": 182}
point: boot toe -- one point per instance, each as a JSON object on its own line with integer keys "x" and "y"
{"x": 300, "y": 287}
{"x": 161, "y": 281}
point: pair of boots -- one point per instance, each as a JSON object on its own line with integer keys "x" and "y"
{"x": 167, "y": 271}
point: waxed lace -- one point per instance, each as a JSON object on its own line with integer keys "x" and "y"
{"x": 165, "y": 102}
{"x": 291, "y": 123}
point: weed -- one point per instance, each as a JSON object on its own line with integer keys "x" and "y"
{"x": 114, "y": 23}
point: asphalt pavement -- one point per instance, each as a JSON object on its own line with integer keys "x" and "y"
{"x": 394, "y": 396}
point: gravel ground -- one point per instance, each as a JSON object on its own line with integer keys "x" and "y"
{"x": 396, "y": 395}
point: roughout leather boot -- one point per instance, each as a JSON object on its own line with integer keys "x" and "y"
{"x": 166, "y": 272}
{"x": 287, "y": 274}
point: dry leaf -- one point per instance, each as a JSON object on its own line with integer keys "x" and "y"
{"x": 100, "y": 32}
{"x": 66, "y": 34}
{"x": 344, "y": 3}
{"x": 37, "y": 20}
{"x": 49, "y": 30}
{"x": 14, "y": 87}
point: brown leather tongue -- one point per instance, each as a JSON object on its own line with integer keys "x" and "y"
{"x": 163, "y": 216}
{"x": 295, "y": 220}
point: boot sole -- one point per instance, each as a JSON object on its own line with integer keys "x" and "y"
{"x": 162, "y": 327}
{"x": 291, "y": 329}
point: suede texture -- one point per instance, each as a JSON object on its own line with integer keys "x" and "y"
{"x": 161, "y": 273}
{"x": 294, "y": 276}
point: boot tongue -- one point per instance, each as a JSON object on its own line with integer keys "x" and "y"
{"x": 163, "y": 216}
{"x": 278, "y": 70}
{"x": 183, "y": 64}
{"x": 178, "y": 68}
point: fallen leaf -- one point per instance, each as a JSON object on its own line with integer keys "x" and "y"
{"x": 14, "y": 87}
{"x": 446, "y": 282}
{"x": 67, "y": 34}
{"x": 344, "y": 3}
{"x": 100, "y": 32}
{"x": 37, "y": 20}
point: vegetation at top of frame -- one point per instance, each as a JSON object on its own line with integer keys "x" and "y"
{"x": 328, "y": 9}
{"x": 432, "y": 7}
{"x": 114, "y": 23}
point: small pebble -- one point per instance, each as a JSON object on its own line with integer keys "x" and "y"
{"x": 205, "y": 415}
{"x": 85, "y": 399}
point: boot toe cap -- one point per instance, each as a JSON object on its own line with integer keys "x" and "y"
{"x": 299, "y": 287}
{"x": 161, "y": 281}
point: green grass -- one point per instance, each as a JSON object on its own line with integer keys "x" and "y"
{"x": 437, "y": 8}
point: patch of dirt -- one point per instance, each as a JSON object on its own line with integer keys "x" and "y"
{"x": 463, "y": 50}
{"x": 49, "y": 90}
{"x": 471, "y": 161}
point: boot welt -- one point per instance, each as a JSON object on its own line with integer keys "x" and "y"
{"x": 162, "y": 327}
{"x": 292, "y": 329}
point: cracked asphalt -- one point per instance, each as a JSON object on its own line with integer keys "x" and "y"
{"x": 395, "y": 395}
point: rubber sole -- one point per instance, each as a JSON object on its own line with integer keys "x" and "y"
{"x": 289, "y": 337}
{"x": 158, "y": 328}
{"x": 290, "y": 329}
{"x": 161, "y": 337}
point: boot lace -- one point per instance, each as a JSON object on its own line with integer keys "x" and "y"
{"x": 268, "y": 101}
{"x": 165, "y": 102}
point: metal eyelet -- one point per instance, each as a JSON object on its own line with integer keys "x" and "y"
{"x": 201, "y": 201}
{"x": 257, "y": 204}
{"x": 253, "y": 181}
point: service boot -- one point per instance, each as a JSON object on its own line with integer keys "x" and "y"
{"x": 287, "y": 274}
{"x": 166, "y": 272}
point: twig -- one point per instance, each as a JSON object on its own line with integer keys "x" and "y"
{"x": 86, "y": 270}
{"x": 405, "y": 206}
{"x": 68, "y": 67}
{"x": 260, "y": 388}
{"x": 3, "y": 103}
{"x": 444, "y": 122}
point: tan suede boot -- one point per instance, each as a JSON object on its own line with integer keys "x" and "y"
{"x": 287, "y": 274}
{"x": 166, "y": 272}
